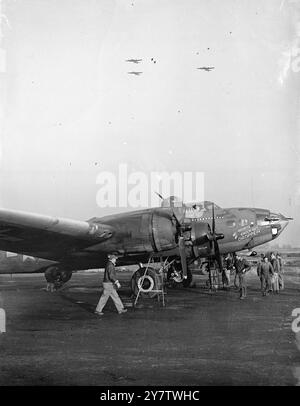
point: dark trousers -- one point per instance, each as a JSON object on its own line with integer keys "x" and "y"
{"x": 265, "y": 284}
{"x": 281, "y": 281}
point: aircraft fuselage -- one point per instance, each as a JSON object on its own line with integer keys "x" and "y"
{"x": 139, "y": 234}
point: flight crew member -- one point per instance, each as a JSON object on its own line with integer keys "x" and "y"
{"x": 259, "y": 272}
{"x": 110, "y": 286}
{"x": 228, "y": 266}
{"x": 242, "y": 266}
{"x": 275, "y": 276}
{"x": 280, "y": 273}
{"x": 236, "y": 277}
{"x": 265, "y": 272}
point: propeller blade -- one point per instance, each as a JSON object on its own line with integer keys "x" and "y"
{"x": 159, "y": 195}
{"x": 216, "y": 237}
{"x": 218, "y": 256}
{"x": 181, "y": 246}
{"x": 213, "y": 219}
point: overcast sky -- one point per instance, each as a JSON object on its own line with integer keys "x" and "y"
{"x": 70, "y": 109}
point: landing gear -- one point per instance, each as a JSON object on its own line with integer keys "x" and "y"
{"x": 148, "y": 282}
{"x": 56, "y": 277}
{"x": 175, "y": 275}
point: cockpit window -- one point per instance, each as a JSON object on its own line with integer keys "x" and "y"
{"x": 261, "y": 218}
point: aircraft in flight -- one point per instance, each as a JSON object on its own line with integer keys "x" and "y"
{"x": 135, "y": 73}
{"x": 174, "y": 232}
{"x": 134, "y": 60}
{"x": 207, "y": 68}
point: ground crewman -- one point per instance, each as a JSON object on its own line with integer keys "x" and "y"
{"x": 110, "y": 286}
{"x": 275, "y": 276}
{"x": 265, "y": 272}
{"x": 242, "y": 267}
{"x": 228, "y": 266}
{"x": 281, "y": 272}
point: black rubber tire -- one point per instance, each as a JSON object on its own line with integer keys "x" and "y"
{"x": 55, "y": 274}
{"x": 51, "y": 274}
{"x": 151, "y": 282}
{"x": 65, "y": 275}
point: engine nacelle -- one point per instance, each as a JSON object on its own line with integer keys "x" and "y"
{"x": 156, "y": 230}
{"x": 164, "y": 230}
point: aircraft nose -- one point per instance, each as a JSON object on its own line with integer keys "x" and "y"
{"x": 275, "y": 217}
{"x": 284, "y": 218}
{"x": 278, "y": 222}
{"x": 284, "y": 221}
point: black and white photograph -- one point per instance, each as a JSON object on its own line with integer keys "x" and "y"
{"x": 149, "y": 196}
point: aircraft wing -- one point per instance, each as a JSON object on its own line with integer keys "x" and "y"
{"x": 47, "y": 237}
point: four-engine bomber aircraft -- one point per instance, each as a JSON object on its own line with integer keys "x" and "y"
{"x": 133, "y": 60}
{"x": 184, "y": 232}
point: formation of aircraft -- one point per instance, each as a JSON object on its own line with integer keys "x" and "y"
{"x": 175, "y": 232}
{"x": 207, "y": 68}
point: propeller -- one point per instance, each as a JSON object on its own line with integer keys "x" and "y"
{"x": 181, "y": 246}
{"x": 159, "y": 195}
{"x": 177, "y": 214}
{"x": 215, "y": 237}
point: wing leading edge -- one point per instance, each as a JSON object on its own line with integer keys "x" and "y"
{"x": 48, "y": 237}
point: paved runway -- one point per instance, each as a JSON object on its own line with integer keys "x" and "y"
{"x": 199, "y": 338}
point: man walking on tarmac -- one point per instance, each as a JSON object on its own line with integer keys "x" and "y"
{"x": 110, "y": 286}
{"x": 242, "y": 266}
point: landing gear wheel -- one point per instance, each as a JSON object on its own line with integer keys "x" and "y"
{"x": 65, "y": 276}
{"x": 175, "y": 276}
{"x": 57, "y": 276}
{"x": 145, "y": 283}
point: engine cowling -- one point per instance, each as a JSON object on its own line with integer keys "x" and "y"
{"x": 164, "y": 230}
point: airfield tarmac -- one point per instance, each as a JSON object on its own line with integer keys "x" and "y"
{"x": 199, "y": 338}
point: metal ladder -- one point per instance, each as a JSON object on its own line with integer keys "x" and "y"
{"x": 160, "y": 275}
